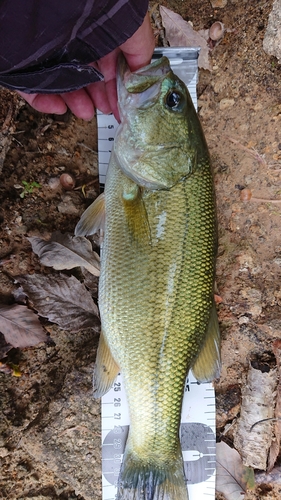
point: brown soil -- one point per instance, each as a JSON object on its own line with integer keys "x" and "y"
{"x": 50, "y": 424}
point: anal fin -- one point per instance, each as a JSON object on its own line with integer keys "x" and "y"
{"x": 207, "y": 365}
{"x": 106, "y": 369}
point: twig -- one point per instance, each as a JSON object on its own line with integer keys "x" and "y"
{"x": 87, "y": 147}
{"x": 95, "y": 181}
{"x": 246, "y": 196}
{"x": 252, "y": 151}
{"x": 8, "y": 119}
{"x": 263, "y": 200}
{"x": 5, "y": 136}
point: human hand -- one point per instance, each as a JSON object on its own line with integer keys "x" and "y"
{"x": 137, "y": 50}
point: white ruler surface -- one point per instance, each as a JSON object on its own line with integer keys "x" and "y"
{"x": 197, "y": 430}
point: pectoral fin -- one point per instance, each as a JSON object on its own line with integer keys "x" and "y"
{"x": 135, "y": 213}
{"x": 93, "y": 219}
{"x": 106, "y": 369}
{"x": 207, "y": 365}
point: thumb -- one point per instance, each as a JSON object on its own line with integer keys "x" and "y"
{"x": 139, "y": 48}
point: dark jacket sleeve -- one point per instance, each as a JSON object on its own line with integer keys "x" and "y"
{"x": 46, "y": 46}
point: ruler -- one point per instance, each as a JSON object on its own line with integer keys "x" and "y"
{"x": 197, "y": 435}
{"x": 197, "y": 429}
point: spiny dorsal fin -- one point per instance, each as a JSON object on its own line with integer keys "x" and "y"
{"x": 207, "y": 365}
{"x": 106, "y": 369}
{"x": 93, "y": 219}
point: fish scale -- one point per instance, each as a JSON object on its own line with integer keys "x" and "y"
{"x": 143, "y": 298}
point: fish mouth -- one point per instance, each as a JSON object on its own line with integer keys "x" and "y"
{"x": 141, "y": 86}
{"x": 143, "y": 78}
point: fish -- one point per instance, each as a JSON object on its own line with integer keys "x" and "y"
{"x": 156, "y": 287}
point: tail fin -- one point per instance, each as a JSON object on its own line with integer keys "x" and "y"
{"x": 140, "y": 480}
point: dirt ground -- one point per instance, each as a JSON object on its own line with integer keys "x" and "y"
{"x": 50, "y": 424}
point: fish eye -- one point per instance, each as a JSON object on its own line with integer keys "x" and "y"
{"x": 173, "y": 99}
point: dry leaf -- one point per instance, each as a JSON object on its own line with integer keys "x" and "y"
{"x": 4, "y": 346}
{"x": 64, "y": 251}
{"x": 233, "y": 479}
{"x": 61, "y": 299}
{"x": 218, "y": 299}
{"x": 20, "y": 326}
{"x": 180, "y": 33}
{"x": 275, "y": 445}
{"x": 258, "y": 402}
{"x": 91, "y": 282}
{"x": 10, "y": 369}
{"x": 274, "y": 476}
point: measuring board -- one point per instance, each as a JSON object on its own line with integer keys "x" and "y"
{"x": 197, "y": 435}
{"x": 197, "y": 429}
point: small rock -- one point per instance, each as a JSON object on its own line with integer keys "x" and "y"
{"x": 219, "y": 85}
{"x": 54, "y": 183}
{"x": 67, "y": 181}
{"x": 272, "y": 39}
{"x": 243, "y": 320}
{"x": 18, "y": 220}
{"x": 218, "y": 4}
{"x": 277, "y": 261}
{"x": 253, "y": 298}
{"x": 244, "y": 128}
{"x": 216, "y": 31}
{"x": 226, "y": 103}
{"x": 204, "y": 108}
{"x": 3, "y": 452}
{"x": 67, "y": 206}
{"x": 259, "y": 106}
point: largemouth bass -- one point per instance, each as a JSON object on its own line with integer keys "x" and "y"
{"x": 156, "y": 295}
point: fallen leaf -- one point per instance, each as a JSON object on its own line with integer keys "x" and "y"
{"x": 62, "y": 299}
{"x": 20, "y": 326}
{"x": 275, "y": 445}
{"x": 10, "y": 369}
{"x": 4, "y": 346}
{"x": 91, "y": 282}
{"x": 274, "y": 476}
{"x": 180, "y": 33}
{"x": 218, "y": 299}
{"x": 233, "y": 478}
{"x": 64, "y": 251}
